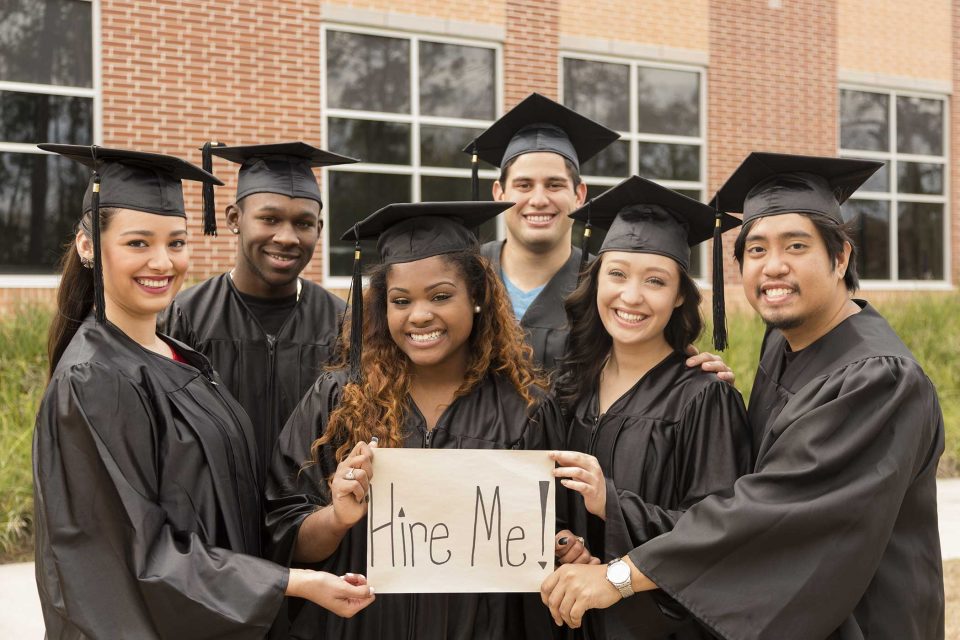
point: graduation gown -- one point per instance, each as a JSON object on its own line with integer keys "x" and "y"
{"x": 267, "y": 376}
{"x": 147, "y": 499}
{"x": 492, "y": 416}
{"x": 677, "y": 436}
{"x": 834, "y": 533}
{"x": 545, "y": 322}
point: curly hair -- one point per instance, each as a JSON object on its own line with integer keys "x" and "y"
{"x": 378, "y": 406}
{"x": 589, "y": 342}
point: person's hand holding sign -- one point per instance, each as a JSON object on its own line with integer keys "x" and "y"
{"x": 350, "y": 484}
{"x": 581, "y": 472}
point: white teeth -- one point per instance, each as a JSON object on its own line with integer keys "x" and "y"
{"x": 546, "y": 218}
{"x": 155, "y": 284}
{"x": 629, "y": 317}
{"x": 425, "y": 337}
{"x": 776, "y": 293}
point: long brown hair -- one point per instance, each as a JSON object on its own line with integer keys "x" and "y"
{"x": 378, "y": 406}
{"x": 75, "y": 293}
{"x": 589, "y": 342}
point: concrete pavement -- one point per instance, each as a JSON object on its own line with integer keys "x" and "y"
{"x": 20, "y": 608}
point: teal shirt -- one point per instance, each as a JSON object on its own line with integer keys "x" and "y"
{"x": 520, "y": 299}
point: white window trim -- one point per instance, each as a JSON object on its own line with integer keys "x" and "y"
{"x": 893, "y": 196}
{"x": 414, "y": 119}
{"x": 52, "y": 281}
{"x": 629, "y": 136}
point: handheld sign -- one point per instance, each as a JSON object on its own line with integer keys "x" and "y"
{"x": 460, "y": 521}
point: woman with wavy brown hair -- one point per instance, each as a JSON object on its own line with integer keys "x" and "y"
{"x": 649, "y": 436}
{"x": 443, "y": 364}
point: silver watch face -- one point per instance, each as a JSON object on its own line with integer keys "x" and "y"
{"x": 618, "y": 572}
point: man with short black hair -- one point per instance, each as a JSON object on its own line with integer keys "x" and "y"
{"x": 834, "y": 533}
{"x": 267, "y": 331}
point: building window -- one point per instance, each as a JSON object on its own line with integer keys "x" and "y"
{"x": 47, "y": 94}
{"x": 405, "y": 105}
{"x": 900, "y": 214}
{"x": 658, "y": 111}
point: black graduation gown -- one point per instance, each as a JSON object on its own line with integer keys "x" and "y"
{"x": 268, "y": 377}
{"x": 677, "y": 436}
{"x": 545, "y": 321}
{"x": 492, "y": 416}
{"x": 147, "y": 499}
{"x": 834, "y": 533}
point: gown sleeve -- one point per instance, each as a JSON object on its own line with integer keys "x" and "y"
{"x": 790, "y": 552}
{"x": 296, "y": 487}
{"x": 712, "y": 451}
{"x": 110, "y": 563}
{"x": 174, "y": 322}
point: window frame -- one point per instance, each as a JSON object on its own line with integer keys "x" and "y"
{"x": 51, "y": 281}
{"x": 414, "y": 170}
{"x": 893, "y": 196}
{"x": 634, "y": 137}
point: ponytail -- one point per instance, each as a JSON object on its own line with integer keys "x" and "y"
{"x": 75, "y": 294}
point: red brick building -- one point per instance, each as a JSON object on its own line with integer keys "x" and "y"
{"x": 692, "y": 85}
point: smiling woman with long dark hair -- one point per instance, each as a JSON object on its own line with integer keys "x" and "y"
{"x": 648, "y": 435}
{"x": 442, "y": 364}
{"x": 147, "y": 491}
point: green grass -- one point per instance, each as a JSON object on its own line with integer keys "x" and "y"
{"x": 929, "y": 324}
{"x": 22, "y": 377}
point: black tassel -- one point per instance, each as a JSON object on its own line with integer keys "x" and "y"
{"x": 719, "y": 314}
{"x": 99, "y": 306}
{"x": 474, "y": 173}
{"x": 209, "y": 205}
{"x": 356, "y": 315}
{"x": 585, "y": 244}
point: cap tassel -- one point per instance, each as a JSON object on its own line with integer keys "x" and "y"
{"x": 474, "y": 173}
{"x": 99, "y": 305}
{"x": 719, "y": 313}
{"x": 209, "y": 205}
{"x": 356, "y": 315}
{"x": 585, "y": 244}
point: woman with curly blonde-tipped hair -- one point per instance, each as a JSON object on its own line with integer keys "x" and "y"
{"x": 444, "y": 365}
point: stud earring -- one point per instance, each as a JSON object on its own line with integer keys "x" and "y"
{"x": 235, "y": 231}
{"x": 476, "y": 309}
{"x": 86, "y": 263}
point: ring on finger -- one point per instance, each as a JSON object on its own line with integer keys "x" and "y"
{"x": 582, "y": 541}
{"x": 349, "y": 474}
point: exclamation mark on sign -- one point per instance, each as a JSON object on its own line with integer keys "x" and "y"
{"x": 544, "y": 492}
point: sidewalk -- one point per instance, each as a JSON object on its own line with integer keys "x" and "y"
{"x": 20, "y": 609}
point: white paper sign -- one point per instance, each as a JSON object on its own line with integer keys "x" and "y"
{"x": 460, "y": 521}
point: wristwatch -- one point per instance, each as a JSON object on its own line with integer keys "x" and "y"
{"x": 618, "y": 573}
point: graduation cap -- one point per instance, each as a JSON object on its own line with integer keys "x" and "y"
{"x": 643, "y": 217}
{"x": 538, "y": 124}
{"x": 768, "y": 184}
{"x": 282, "y": 167}
{"x": 126, "y": 179}
{"x": 406, "y": 232}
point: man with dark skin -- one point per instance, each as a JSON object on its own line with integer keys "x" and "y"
{"x": 834, "y": 532}
{"x": 267, "y": 331}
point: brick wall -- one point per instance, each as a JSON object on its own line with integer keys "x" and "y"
{"x": 682, "y": 25}
{"x": 911, "y": 39}
{"x": 530, "y": 51}
{"x": 178, "y": 72}
{"x": 769, "y": 88}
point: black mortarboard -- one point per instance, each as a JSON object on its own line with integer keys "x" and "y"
{"x": 643, "y": 217}
{"x": 126, "y": 179}
{"x": 767, "y": 184}
{"x": 538, "y": 123}
{"x": 406, "y": 232}
{"x": 282, "y": 167}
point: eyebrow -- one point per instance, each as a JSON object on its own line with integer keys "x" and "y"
{"x": 547, "y": 178}
{"x": 787, "y": 235}
{"x": 429, "y": 288}
{"x": 148, "y": 233}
